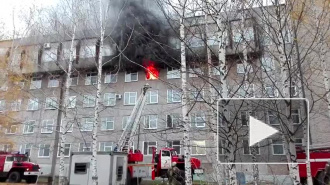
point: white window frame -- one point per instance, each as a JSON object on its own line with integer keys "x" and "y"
{"x": 105, "y": 146}
{"x": 222, "y": 144}
{"x": 109, "y": 99}
{"x": 296, "y": 114}
{"x": 16, "y": 105}
{"x": 49, "y": 55}
{"x": 198, "y": 146}
{"x": 272, "y": 144}
{"x": 171, "y": 145}
{"x": 108, "y": 78}
{"x": 72, "y": 101}
{"x": 33, "y": 104}
{"x": 85, "y": 147}
{"x": 53, "y": 81}
{"x": 171, "y": 93}
{"x": 51, "y": 103}
{"x": 173, "y": 73}
{"x": 70, "y": 129}
{"x": 149, "y": 146}
{"x": 125, "y": 120}
{"x": 129, "y": 98}
{"x": 268, "y": 118}
{"x": 71, "y": 80}
{"x": 250, "y": 148}
{"x": 247, "y": 117}
{"x": 27, "y": 125}
{"x": 42, "y": 146}
{"x": 91, "y": 99}
{"x": 197, "y": 95}
{"x": 88, "y": 50}
{"x": 86, "y": 123}
{"x": 35, "y": 83}
{"x": 275, "y": 92}
{"x": 65, "y": 147}
{"x": 90, "y": 77}
{"x": 247, "y": 88}
{"x": 175, "y": 119}
{"x": 194, "y": 117}
{"x": 150, "y": 95}
{"x": 195, "y": 72}
{"x": 128, "y": 76}
{"x": 2, "y": 105}
{"x": 24, "y": 146}
{"x": 148, "y": 120}
{"x": 298, "y": 144}
{"x": 45, "y": 126}
{"x": 294, "y": 86}
{"x": 11, "y": 129}
{"x": 240, "y": 68}
{"x": 267, "y": 64}
{"x": 105, "y": 121}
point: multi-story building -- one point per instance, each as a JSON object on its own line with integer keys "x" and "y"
{"x": 41, "y": 62}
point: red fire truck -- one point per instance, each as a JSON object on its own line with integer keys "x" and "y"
{"x": 320, "y": 165}
{"x": 15, "y": 166}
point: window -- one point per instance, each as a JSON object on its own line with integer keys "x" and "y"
{"x": 91, "y": 79}
{"x": 105, "y": 146}
{"x": 44, "y": 150}
{"x": 67, "y": 150}
{"x": 28, "y": 127}
{"x": 222, "y": 146}
{"x": 65, "y": 128}
{"x": 147, "y": 147}
{"x": 293, "y": 89}
{"x": 270, "y": 91}
{"x": 131, "y": 77}
{"x": 247, "y": 35}
{"x": 85, "y": 147}
{"x": 195, "y": 72}
{"x": 173, "y": 73}
{"x": 194, "y": 41}
{"x": 267, "y": 64}
{"x": 198, "y": 120}
{"x": 87, "y": 124}
{"x": 173, "y": 120}
{"x": 247, "y": 150}
{"x": 53, "y": 81}
{"x": 273, "y": 118}
{"x": 176, "y": 145}
{"x": 298, "y": 142}
{"x": 240, "y": 68}
{"x": 278, "y": 147}
{"x": 245, "y": 118}
{"x": 173, "y": 96}
{"x": 216, "y": 70}
{"x": 150, "y": 122}
{"x": 49, "y": 55}
{"x": 109, "y": 99}
{"x": 35, "y": 83}
{"x": 12, "y": 129}
{"x": 197, "y": 95}
{"x": 89, "y": 101}
{"x": 246, "y": 91}
{"x": 110, "y": 78}
{"x": 125, "y": 122}
{"x": 107, "y": 123}
{"x": 2, "y": 105}
{"x": 73, "y": 80}
{"x": 198, "y": 148}
{"x": 33, "y": 104}
{"x": 7, "y": 147}
{"x": 130, "y": 98}
{"x": 88, "y": 50}
{"x": 47, "y": 126}
{"x": 26, "y": 149}
{"x": 152, "y": 97}
{"x": 51, "y": 103}
{"x": 16, "y": 105}
{"x": 80, "y": 168}
{"x": 66, "y": 53}
{"x": 295, "y": 116}
{"x": 72, "y": 100}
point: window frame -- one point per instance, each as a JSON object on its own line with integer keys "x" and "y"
{"x": 193, "y": 119}
{"x": 296, "y": 114}
{"x": 171, "y": 73}
{"x": 85, "y": 123}
{"x": 124, "y": 119}
{"x": 53, "y": 80}
{"x": 85, "y": 146}
{"x": 29, "y": 125}
{"x": 172, "y": 116}
{"x": 130, "y": 76}
{"x": 10, "y": 129}
{"x": 33, "y": 100}
{"x": 148, "y": 146}
{"x": 192, "y": 145}
{"x": 149, "y": 96}
{"x": 88, "y": 78}
{"x": 109, "y": 75}
{"x": 21, "y": 147}
{"x": 43, "y": 156}
{"x": 171, "y": 145}
{"x": 109, "y": 142}
{"x": 16, "y": 105}
{"x": 172, "y": 96}
{"x": 105, "y": 120}
{"x": 49, "y": 103}
{"x": 129, "y": 98}
{"x": 35, "y": 83}
{"x": 89, "y": 98}
{"x": 109, "y": 98}
{"x": 71, "y": 80}
{"x": 70, "y": 130}
{"x": 58, "y": 150}
{"x": 72, "y": 99}
{"x": 250, "y": 148}
{"x": 147, "y": 121}
{"x": 272, "y": 144}
{"x": 45, "y": 127}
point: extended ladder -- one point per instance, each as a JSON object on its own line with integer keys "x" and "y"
{"x": 129, "y": 132}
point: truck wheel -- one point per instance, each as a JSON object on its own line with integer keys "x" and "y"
{"x": 14, "y": 177}
{"x": 32, "y": 179}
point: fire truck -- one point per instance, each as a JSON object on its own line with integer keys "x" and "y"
{"x": 319, "y": 162}
{"x": 15, "y": 166}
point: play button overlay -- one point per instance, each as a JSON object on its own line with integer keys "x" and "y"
{"x": 259, "y": 131}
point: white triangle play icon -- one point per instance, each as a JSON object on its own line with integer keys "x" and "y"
{"x": 259, "y": 131}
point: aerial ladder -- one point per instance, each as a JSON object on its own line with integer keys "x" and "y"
{"x": 132, "y": 125}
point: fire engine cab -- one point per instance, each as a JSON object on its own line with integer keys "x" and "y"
{"x": 15, "y": 166}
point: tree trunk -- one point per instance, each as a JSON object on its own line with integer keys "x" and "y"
{"x": 66, "y": 103}
{"x": 186, "y": 124}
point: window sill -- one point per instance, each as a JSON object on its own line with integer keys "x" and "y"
{"x": 174, "y": 102}
{"x": 28, "y": 133}
{"x": 33, "y": 110}
{"x": 50, "y": 109}
{"x": 46, "y": 132}
{"x": 150, "y": 128}
{"x": 131, "y": 81}
{"x": 129, "y": 104}
{"x": 88, "y": 106}
{"x": 44, "y": 157}
{"x": 107, "y": 130}
{"x": 278, "y": 154}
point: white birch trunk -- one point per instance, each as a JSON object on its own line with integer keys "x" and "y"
{"x": 64, "y": 120}
{"x": 325, "y": 76}
{"x": 97, "y": 102}
{"x": 186, "y": 139}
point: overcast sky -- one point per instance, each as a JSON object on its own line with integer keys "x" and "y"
{"x": 19, "y": 7}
